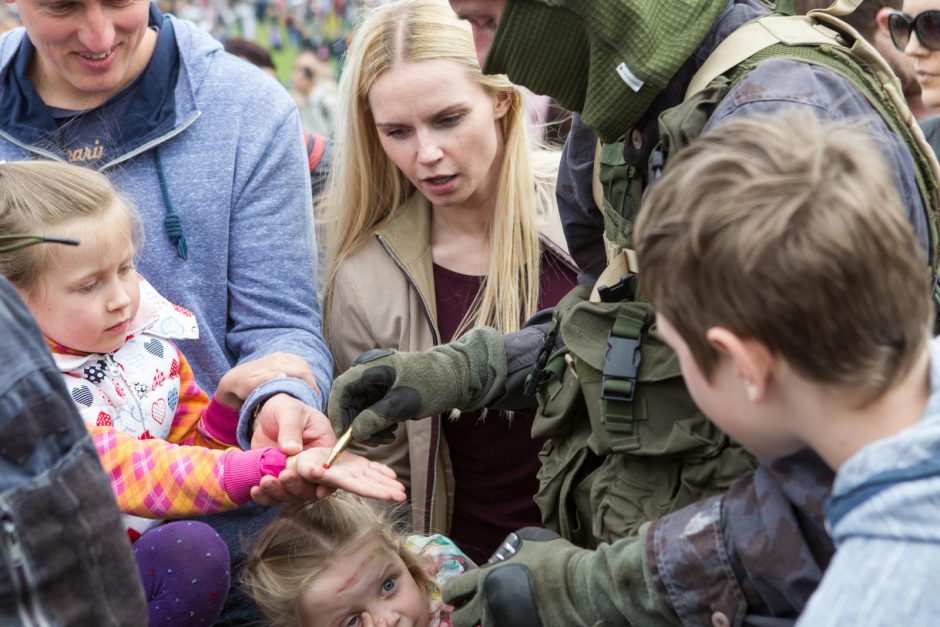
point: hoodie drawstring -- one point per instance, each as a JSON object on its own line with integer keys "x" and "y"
{"x": 171, "y": 222}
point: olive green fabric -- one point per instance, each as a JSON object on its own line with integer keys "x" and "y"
{"x": 385, "y": 387}
{"x": 623, "y": 185}
{"x": 569, "y": 586}
{"x": 591, "y": 489}
{"x": 602, "y": 479}
{"x": 571, "y": 50}
{"x": 854, "y": 67}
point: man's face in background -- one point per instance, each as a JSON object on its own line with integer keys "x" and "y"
{"x": 483, "y": 16}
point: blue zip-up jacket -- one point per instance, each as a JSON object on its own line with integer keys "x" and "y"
{"x": 883, "y": 517}
{"x": 226, "y": 139}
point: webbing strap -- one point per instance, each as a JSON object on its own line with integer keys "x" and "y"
{"x": 839, "y": 7}
{"x": 753, "y": 37}
{"x": 618, "y": 380}
{"x": 621, "y": 265}
{"x": 822, "y": 28}
{"x": 597, "y": 189}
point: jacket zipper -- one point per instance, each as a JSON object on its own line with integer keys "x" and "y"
{"x": 436, "y": 423}
{"x": 154, "y": 142}
{"x": 133, "y": 153}
{"x": 30, "y": 612}
{"x": 31, "y": 149}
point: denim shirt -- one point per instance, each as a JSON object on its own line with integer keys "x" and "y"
{"x": 66, "y": 559}
{"x": 883, "y": 517}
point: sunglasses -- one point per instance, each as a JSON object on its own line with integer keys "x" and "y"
{"x": 926, "y": 25}
{"x": 16, "y": 241}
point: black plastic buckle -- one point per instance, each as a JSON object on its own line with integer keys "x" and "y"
{"x": 535, "y": 377}
{"x": 621, "y": 363}
{"x": 624, "y": 289}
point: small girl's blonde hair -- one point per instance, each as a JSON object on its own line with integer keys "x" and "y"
{"x": 38, "y": 197}
{"x": 303, "y": 541}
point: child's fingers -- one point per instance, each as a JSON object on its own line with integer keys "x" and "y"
{"x": 324, "y": 491}
{"x": 371, "y": 485}
{"x": 259, "y": 497}
{"x": 382, "y": 468}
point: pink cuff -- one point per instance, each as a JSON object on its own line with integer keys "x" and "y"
{"x": 242, "y": 470}
{"x": 220, "y": 422}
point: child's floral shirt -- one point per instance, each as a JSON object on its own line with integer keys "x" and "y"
{"x": 444, "y": 561}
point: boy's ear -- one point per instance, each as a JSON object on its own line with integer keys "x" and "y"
{"x": 751, "y": 359}
{"x": 881, "y": 20}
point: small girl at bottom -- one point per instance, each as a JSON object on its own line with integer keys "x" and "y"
{"x": 169, "y": 450}
{"x": 337, "y": 562}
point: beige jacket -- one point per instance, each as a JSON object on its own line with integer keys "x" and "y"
{"x": 383, "y": 297}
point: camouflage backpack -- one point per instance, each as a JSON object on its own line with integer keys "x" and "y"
{"x": 626, "y": 442}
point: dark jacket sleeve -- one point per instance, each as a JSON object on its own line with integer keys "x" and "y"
{"x": 58, "y": 506}
{"x": 522, "y": 349}
{"x": 757, "y": 551}
{"x": 582, "y": 221}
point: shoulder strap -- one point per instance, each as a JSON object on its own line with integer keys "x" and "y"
{"x": 755, "y": 36}
{"x": 818, "y": 27}
{"x": 838, "y": 7}
{"x": 316, "y": 145}
{"x": 766, "y": 31}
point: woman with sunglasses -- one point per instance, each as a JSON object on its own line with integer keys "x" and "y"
{"x": 915, "y": 31}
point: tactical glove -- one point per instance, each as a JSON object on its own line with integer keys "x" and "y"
{"x": 537, "y": 579}
{"x": 385, "y": 387}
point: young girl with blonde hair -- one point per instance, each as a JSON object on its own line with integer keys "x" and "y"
{"x": 168, "y": 449}
{"x": 338, "y": 561}
{"x": 441, "y": 220}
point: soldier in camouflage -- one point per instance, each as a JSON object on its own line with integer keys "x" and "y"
{"x": 751, "y": 555}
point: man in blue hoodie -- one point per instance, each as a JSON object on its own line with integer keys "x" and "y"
{"x": 210, "y": 151}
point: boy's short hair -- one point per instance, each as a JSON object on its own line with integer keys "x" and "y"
{"x": 789, "y": 230}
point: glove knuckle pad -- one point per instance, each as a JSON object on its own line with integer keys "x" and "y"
{"x": 378, "y": 376}
{"x": 372, "y": 355}
{"x": 538, "y": 534}
{"x": 400, "y": 403}
{"x": 510, "y": 599}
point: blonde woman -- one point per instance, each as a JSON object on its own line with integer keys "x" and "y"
{"x": 441, "y": 220}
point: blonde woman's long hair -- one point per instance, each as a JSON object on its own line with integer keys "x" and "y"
{"x": 367, "y": 188}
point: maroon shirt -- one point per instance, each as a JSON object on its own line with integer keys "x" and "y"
{"x": 495, "y": 460}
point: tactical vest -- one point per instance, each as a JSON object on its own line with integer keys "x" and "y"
{"x": 626, "y": 442}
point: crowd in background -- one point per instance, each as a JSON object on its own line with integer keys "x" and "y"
{"x": 284, "y": 27}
